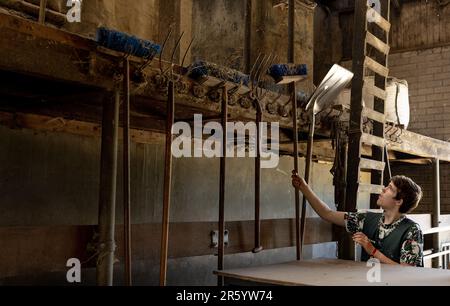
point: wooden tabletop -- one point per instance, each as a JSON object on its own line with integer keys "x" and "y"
{"x": 336, "y": 272}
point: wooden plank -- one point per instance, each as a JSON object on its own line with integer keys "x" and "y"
{"x": 380, "y": 21}
{"x": 374, "y": 115}
{"x": 370, "y": 188}
{"x": 371, "y": 89}
{"x": 377, "y": 43}
{"x": 329, "y": 272}
{"x": 420, "y": 145}
{"x": 37, "y": 249}
{"x": 376, "y": 67}
{"x": 75, "y": 127}
{"x": 436, "y": 230}
{"x": 373, "y": 140}
{"x": 369, "y": 164}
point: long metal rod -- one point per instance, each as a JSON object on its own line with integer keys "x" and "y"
{"x": 258, "y": 246}
{"x": 221, "y": 247}
{"x": 293, "y": 90}
{"x": 297, "y": 194}
{"x": 42, "y": 8}
{"x": 309, "y": 151}
{"x": 291, "y": 31}
{"x": 126, "y": 173}
{"x": 436, "y": 210}
{"x": 107, "y": 196}
{"x": 167, "y": 185}
{"x": 248, "y": 36}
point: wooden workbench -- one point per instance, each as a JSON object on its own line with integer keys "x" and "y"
{"x": 334, "y": 272}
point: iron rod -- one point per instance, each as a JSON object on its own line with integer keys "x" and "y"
{"x": 107, "y": 196}
{"x": 248, "y": 36}
{"x": 258, "y": 246}
{"x": 126, "y": 173}
{"x": 167, "y": 184}
{"x": 297, "y": 194}
{"x": 221, "y": 247}
{"x": 436, "y": 210}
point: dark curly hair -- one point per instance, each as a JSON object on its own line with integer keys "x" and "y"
{"x": 409, "y": 191}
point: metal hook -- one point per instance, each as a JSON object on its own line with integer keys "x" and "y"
{"x": 162, "y": 48}
{"x": 187, "y": 50}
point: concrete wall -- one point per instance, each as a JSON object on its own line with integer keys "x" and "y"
{"x": 52, "y": 179}
{"x": 219, "y": 30}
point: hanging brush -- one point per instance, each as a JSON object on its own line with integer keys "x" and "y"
{"x": 129, "y": 44}
{"x": 202, "y": 69}
{"x": 287, "y": 73}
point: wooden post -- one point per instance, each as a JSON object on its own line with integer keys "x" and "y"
{"x": 167, "y": 184}
{"x": 107, "y": 197}
{"x": 126, "y": 173}
{"x": 221, "y": 251}
{"x": 42, "y": 9}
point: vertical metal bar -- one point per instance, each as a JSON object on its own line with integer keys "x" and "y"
{"x": 293, "y": 90}
{"x": 126, "y": 173}
{"x": 167, "y": 185}
{"x": 307, "y": 177}
{"x": 42, "y": 8}
{"x": 291, "y": 31}
{"x": 107, "y": 196}
{"x": 258, "y": 246}
{"x": 296, "y": 192}
{"x": 436, "y": 211}
{"x": 221, "y": 250}
{"x": 248, "y": 36}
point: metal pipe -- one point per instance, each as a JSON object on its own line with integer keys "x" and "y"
{"x": 258, "y": 246}
{"x": 248, "y": 36}
{"x": 42, "y": 8}
{"x": 436, "y": 211}
{"x": 307, "y": 177}
{"x": 297, "y": 194}
{"x": 126, "y": 173}
{"x": 291, "y": 31}
{"x": 107, "y": 196}
{"x": 291, "y": 26}
{"x": 221, "y": 246}
{"x": 167, "y": 184}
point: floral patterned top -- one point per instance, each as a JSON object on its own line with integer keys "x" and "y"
{"x": 412, "y": 248}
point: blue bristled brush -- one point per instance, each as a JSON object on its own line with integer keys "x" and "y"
{"x": 201, "y": 69}
{"x": 278, "y": 71}
{"x": 123, "y": 42}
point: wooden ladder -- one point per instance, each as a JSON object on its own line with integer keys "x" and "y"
{"x": 371, "y": 33}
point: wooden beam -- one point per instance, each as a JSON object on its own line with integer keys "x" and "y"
{"x": 77, "y": 60}
{"x": 420, "y": 145}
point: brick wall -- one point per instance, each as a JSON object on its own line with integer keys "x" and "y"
{"x": 428, "y": 75}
